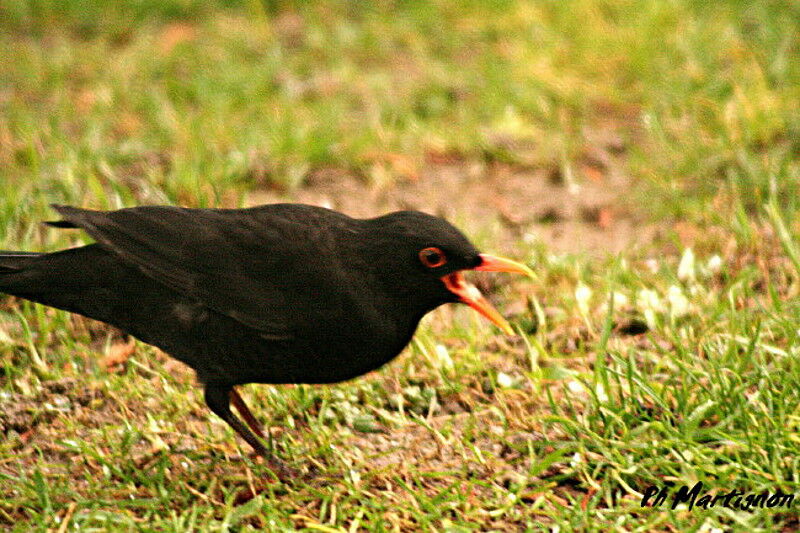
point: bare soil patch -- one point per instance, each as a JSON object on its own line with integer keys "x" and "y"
{"x": 588, "y": 213}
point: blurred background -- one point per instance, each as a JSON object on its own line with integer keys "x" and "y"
{"x": 218, "y": 103}
{"x": 642, "y": 155}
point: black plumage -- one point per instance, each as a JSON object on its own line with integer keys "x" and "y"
{"x": 283, "y": 293}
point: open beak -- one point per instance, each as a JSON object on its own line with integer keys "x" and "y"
{"x": 470, "y": 295}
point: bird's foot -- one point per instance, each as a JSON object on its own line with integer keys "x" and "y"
{"x": 280, "y": 469}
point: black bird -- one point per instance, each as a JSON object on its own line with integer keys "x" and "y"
{"x": 282, "y": 293}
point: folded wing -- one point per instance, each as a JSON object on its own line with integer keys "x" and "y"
{"x": 251, "y": 264}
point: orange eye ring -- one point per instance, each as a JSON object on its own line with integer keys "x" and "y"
{"x": 432, "y": 257}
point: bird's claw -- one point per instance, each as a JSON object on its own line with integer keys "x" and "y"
{"x": 279, "y": 469}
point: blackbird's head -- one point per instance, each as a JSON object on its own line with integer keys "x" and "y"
{"x": 424, "y": 258}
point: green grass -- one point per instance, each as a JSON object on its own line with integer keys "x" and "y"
{"x": 106, "y": 104}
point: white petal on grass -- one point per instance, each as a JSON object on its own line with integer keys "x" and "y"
{"x": 582, "y": 296}
{"x": 678, "y": 303}
{"x": 575, "y": 386}
{"x": 650, "y": 318}
{"x": 601, "y": 393}
{"x": 504, "y": 380}
{"x": 443, "y": 356}
{"x": 648, "y": 299}
{"x": 620, "y": 300}
{"x": 686, "y": 266}
{"x": 714, "y": 264}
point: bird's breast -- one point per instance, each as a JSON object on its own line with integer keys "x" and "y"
{"x": 332, "y": 353}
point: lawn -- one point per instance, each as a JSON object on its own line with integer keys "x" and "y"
{"x": 642, "y": 156}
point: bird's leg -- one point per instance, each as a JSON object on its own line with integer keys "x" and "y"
{"x": 218, "y": 398}
{"x": 254, "y": 424}
{"x": 240, "y": 406}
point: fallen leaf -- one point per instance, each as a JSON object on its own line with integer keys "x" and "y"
{"x": 119, "y": 353}
{"x": 593, "y": 173}
{"x": 605, "y": 217}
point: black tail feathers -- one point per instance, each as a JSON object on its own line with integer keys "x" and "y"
{"x": 15, "y": 261}
{"x": 60, "y": 224}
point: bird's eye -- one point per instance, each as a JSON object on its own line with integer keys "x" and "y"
{"x": 432, "y": 257}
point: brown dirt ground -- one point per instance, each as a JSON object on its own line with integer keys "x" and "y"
{"x": 591, "y": 213}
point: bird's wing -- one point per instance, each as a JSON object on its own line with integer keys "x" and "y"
{"x": 251, "y": 265}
